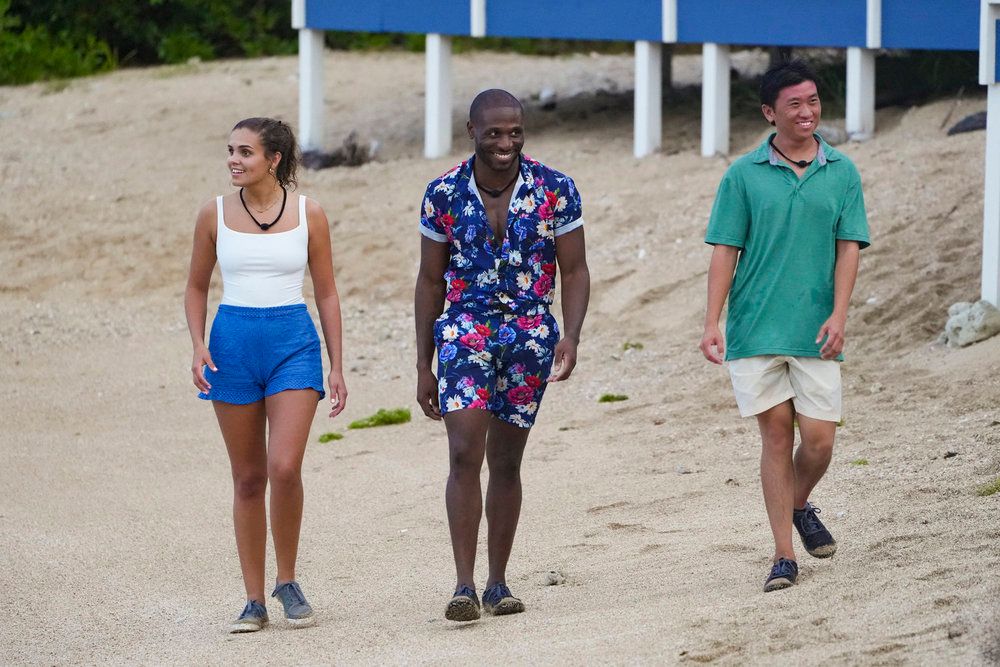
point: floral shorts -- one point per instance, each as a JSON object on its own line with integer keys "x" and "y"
{"x": 496, "y": 361}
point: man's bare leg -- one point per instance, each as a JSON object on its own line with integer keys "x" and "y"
{"x": 777, "y": 474}
{"x": 813, "y": 455}
{"x": 467, "y": 431}
{"x": 504, "y": 451}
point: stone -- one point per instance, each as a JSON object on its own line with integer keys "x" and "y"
{"x": 971, "y": 323}
{"x": 351, "y": 153}
{"x": 832, "y": 134}
{"x": 554, "y": 578}
{"x": 960, "y": 307}
{"x": 547, "y": 99}
{"x": 972, "y": 123}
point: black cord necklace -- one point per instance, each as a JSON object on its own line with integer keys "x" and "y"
{"x": 801, "y": 164}
{"x": 266, "y": 225}
{"x": 497, "y": 193}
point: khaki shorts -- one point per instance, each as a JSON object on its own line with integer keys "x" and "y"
{"x": 762, "y": 382}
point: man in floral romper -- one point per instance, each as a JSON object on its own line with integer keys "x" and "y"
{"x": 494, "y": 230}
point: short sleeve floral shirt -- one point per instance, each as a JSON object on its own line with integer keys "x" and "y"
{"x": 520, "y": 275}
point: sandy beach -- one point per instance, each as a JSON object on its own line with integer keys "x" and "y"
{"x": 116, "y": 527}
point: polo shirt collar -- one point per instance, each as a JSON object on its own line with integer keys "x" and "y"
{"x": 766, "y": 154}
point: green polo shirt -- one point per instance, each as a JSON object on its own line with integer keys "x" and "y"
{"x": 786, "y": 228}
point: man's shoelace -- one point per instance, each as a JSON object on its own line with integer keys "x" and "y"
{"x": 782, "y": 568}
{"x": 810, "y": 523}
{"x": 497, "y": 592}
{"x": 467, "y": 592}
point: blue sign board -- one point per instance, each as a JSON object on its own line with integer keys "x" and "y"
{"x": 773, "y": 22}
{"x": 627, "y": 20}
{"x": 448, "y": 17}
{"x": 996, "y": 55}
{"x": 949, "y": 25}
{"x": 906, "y": 24}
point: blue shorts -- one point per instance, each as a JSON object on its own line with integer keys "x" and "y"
{"x": 496, "y": 361}
{"x": 261, "y": 351}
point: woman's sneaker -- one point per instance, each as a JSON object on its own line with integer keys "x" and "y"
{"x": 783, "y": 574}
{"x": 463, "y": 606}
{"x": 497, "y": 600}
{"x": 253, "y": 618}
{"x": 297, "y": 611}
{"x": 815, "y": 537}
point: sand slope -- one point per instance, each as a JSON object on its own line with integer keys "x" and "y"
{"x": 115, "y": 523}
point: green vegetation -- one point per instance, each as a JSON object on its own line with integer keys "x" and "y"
{"x": 612, "y": 398}
{"x": 328, "y": 437}
{"x": 383, "y": 418}
{"x": 631, "y": 345}
{"x": 989, "y": 489}
{"x": 859, "y": 462}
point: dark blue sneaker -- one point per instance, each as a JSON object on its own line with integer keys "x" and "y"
{"x": 783, "y": 574}
{"x": 253, "y": 618}
{"x": 463, "y": 606}
{"x": 815, "y": 537}
{"x": 497, "y": 600}
{"x": 298, "y": 613}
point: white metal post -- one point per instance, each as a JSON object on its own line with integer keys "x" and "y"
{"x": 477, "y": 15}
{"x": 669, "y": 21}
{"x": 437, "y": 123}
{"x": 860, "y": 121}
{"x": 991, "y": 199}
{"x": 310, "y": 89}
{"x": 989, "y": 24}
{"x": 715, "y": 99}
{"x": 648, "y": 97}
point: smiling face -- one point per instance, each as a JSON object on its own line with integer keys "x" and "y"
{"x": 498, "y": 133}
{"x": 248, "y": 164}
{"x": 796, "y": 111}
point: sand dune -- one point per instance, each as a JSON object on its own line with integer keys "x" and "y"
{"x": 117, "y": 536}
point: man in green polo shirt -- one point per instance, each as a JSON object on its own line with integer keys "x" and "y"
{"x": 789, "y": 221}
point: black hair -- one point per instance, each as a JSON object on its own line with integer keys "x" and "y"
{"x": 781, "y": 76}
{"x": 492, "y": 98}
{"x": 276, "y": 137}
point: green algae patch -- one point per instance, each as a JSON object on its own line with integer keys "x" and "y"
{"x": 383, "y": 418}
{"x": 989, "y": 489}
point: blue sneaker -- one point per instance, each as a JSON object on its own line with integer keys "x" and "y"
{"x": 297, "y": 611}
{"x": 463, "y": 606}
{"x": 815, "y": 537}
{"x": 497, "y": 600}
{"x": 783, "y": 574}
{"x": 253, "y": 618}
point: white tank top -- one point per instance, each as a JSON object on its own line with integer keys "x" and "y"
{"x": 262, "y": 270}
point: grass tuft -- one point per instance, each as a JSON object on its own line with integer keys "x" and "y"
{"x": 859, "y": 462}
{"x": 383, "y": 418}
{"x": 989, "y": 489}
{"x": 612, "y": 398}
{"x": 327, "y": 437}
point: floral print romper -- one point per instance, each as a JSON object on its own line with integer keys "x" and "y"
{"x": 496, "y": 340}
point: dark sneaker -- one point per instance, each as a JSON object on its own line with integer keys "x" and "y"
{"x": 463, "y": 606}
{"x": 783, "y": 574}
{"x": 298, "y": 613}
{"x": 815, "y": 537}
{"x": 253, "y": 618}
{"x": 498, "y": 601}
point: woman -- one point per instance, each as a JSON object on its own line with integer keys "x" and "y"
{"x": 263, "y": 368}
